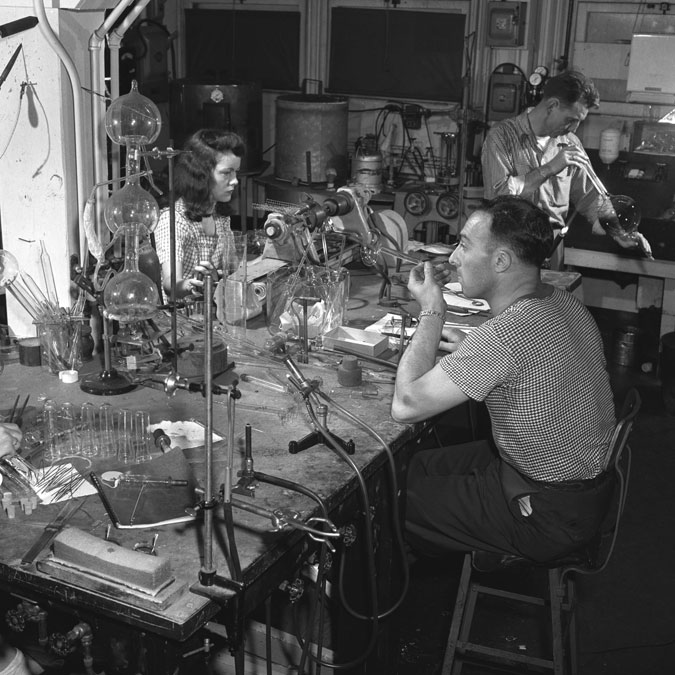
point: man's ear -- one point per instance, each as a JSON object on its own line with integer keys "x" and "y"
{"x": 552, "y": 104}
{"x": 502, "y": 259}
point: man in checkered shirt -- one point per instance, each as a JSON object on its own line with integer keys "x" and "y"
{"x": 538, "y": 490}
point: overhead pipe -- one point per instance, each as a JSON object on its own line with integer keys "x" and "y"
{"x": 75, "y": 85}
{"x": 114, "y": 42}
{"x": 98, "y": 107}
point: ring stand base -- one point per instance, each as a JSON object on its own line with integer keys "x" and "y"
{"x": 106, "y": 383}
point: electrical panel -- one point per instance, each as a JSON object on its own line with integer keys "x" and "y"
{"x": 506, "y": 24}
{"x": 505, "y": 92}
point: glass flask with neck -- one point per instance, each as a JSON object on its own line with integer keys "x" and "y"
{"x": 132, "y": 212}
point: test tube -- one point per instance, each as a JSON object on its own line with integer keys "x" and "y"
{"x": 89, "y": 442}
{"x": 125, "y": 436}
{"x": 50, "y": 431}
{"x": 68, "y": 429}
{"x": 141, "y": 439}
{"x": 107, "y": 446}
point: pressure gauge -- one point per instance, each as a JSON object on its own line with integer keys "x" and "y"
{"x": 535, "y": 79}
{"x": 541, "y": 70}
{"x": 447, "y": 205}
{"x": 416, "y": 203}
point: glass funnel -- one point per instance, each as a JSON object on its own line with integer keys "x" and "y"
{"x": 131, "y": 295}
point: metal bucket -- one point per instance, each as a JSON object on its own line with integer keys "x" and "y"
{"x": 236, "y": 107}
{"x": 310, "y": 137}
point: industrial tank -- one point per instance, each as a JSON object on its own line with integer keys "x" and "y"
{"x": 310, "y": 137}
{"x": 235, "y": 107}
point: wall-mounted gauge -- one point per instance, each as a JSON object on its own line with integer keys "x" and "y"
{"x": 447, "y": 205}
{"x": 535, "y": 79}
{"x": 416, "y": 203}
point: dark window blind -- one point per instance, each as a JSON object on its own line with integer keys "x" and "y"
{"x": 397, "y": 53}
{"x": 245, "y": 46}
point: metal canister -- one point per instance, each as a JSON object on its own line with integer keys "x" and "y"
{"x": 624, "y": 347}
{"x": 367, "y": 168}
{"x": 311, "y": 137}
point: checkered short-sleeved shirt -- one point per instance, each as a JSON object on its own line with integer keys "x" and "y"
{"x": 192, "y": 245}
{"x": 540, "y": 368}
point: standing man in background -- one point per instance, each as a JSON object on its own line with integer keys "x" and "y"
{"x": 537, "y": 156}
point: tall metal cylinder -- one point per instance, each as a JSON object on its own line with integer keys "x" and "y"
{"x": 236, "y": 107}
{"x": 310, "y": 137}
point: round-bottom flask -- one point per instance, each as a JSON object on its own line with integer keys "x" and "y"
{"x": 131, "y": 295}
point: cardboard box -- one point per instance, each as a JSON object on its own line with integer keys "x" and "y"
{"x": 356, "y": 341}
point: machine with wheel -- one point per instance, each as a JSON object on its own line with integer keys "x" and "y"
{"x": 430, "y": 211}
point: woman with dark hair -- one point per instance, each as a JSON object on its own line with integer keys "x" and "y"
{"x": 205, "y": 178}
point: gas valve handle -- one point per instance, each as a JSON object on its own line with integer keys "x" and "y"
{"x": 16, "y": 620}
{"x": 60, "y": 644}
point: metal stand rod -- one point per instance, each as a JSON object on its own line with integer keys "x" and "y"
{"x": 208, "y": 570}
{"x": 172, "y": 255}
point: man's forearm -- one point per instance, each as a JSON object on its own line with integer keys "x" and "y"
{"x": 420, "y": 356}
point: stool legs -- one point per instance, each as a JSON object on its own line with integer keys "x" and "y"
{"x": 457, "y": 618}
{"x": 560, "y": 603}
{"x": 556, "y": 591}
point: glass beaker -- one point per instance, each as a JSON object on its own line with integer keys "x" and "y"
{"x": 60, "y": 347}
{"x": 307, "y": 301}
{"x": 234, "y": 283}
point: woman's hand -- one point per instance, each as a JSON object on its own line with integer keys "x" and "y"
{"x": 194, "y": 285}
{"x": 10, "y": 438}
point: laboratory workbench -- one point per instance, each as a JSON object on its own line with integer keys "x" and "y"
{"x": 168, "y": 631}
{"x": 268, "y": 558}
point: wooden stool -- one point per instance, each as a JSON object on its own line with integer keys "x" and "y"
{"x": 560, "y": 596}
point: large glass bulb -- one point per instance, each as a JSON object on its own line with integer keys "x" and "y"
{"x": 130, "y": 295}
{"x": 131, "y": 205}
{"x": 627, "y": 212}
{"x": 133, "y": 118}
